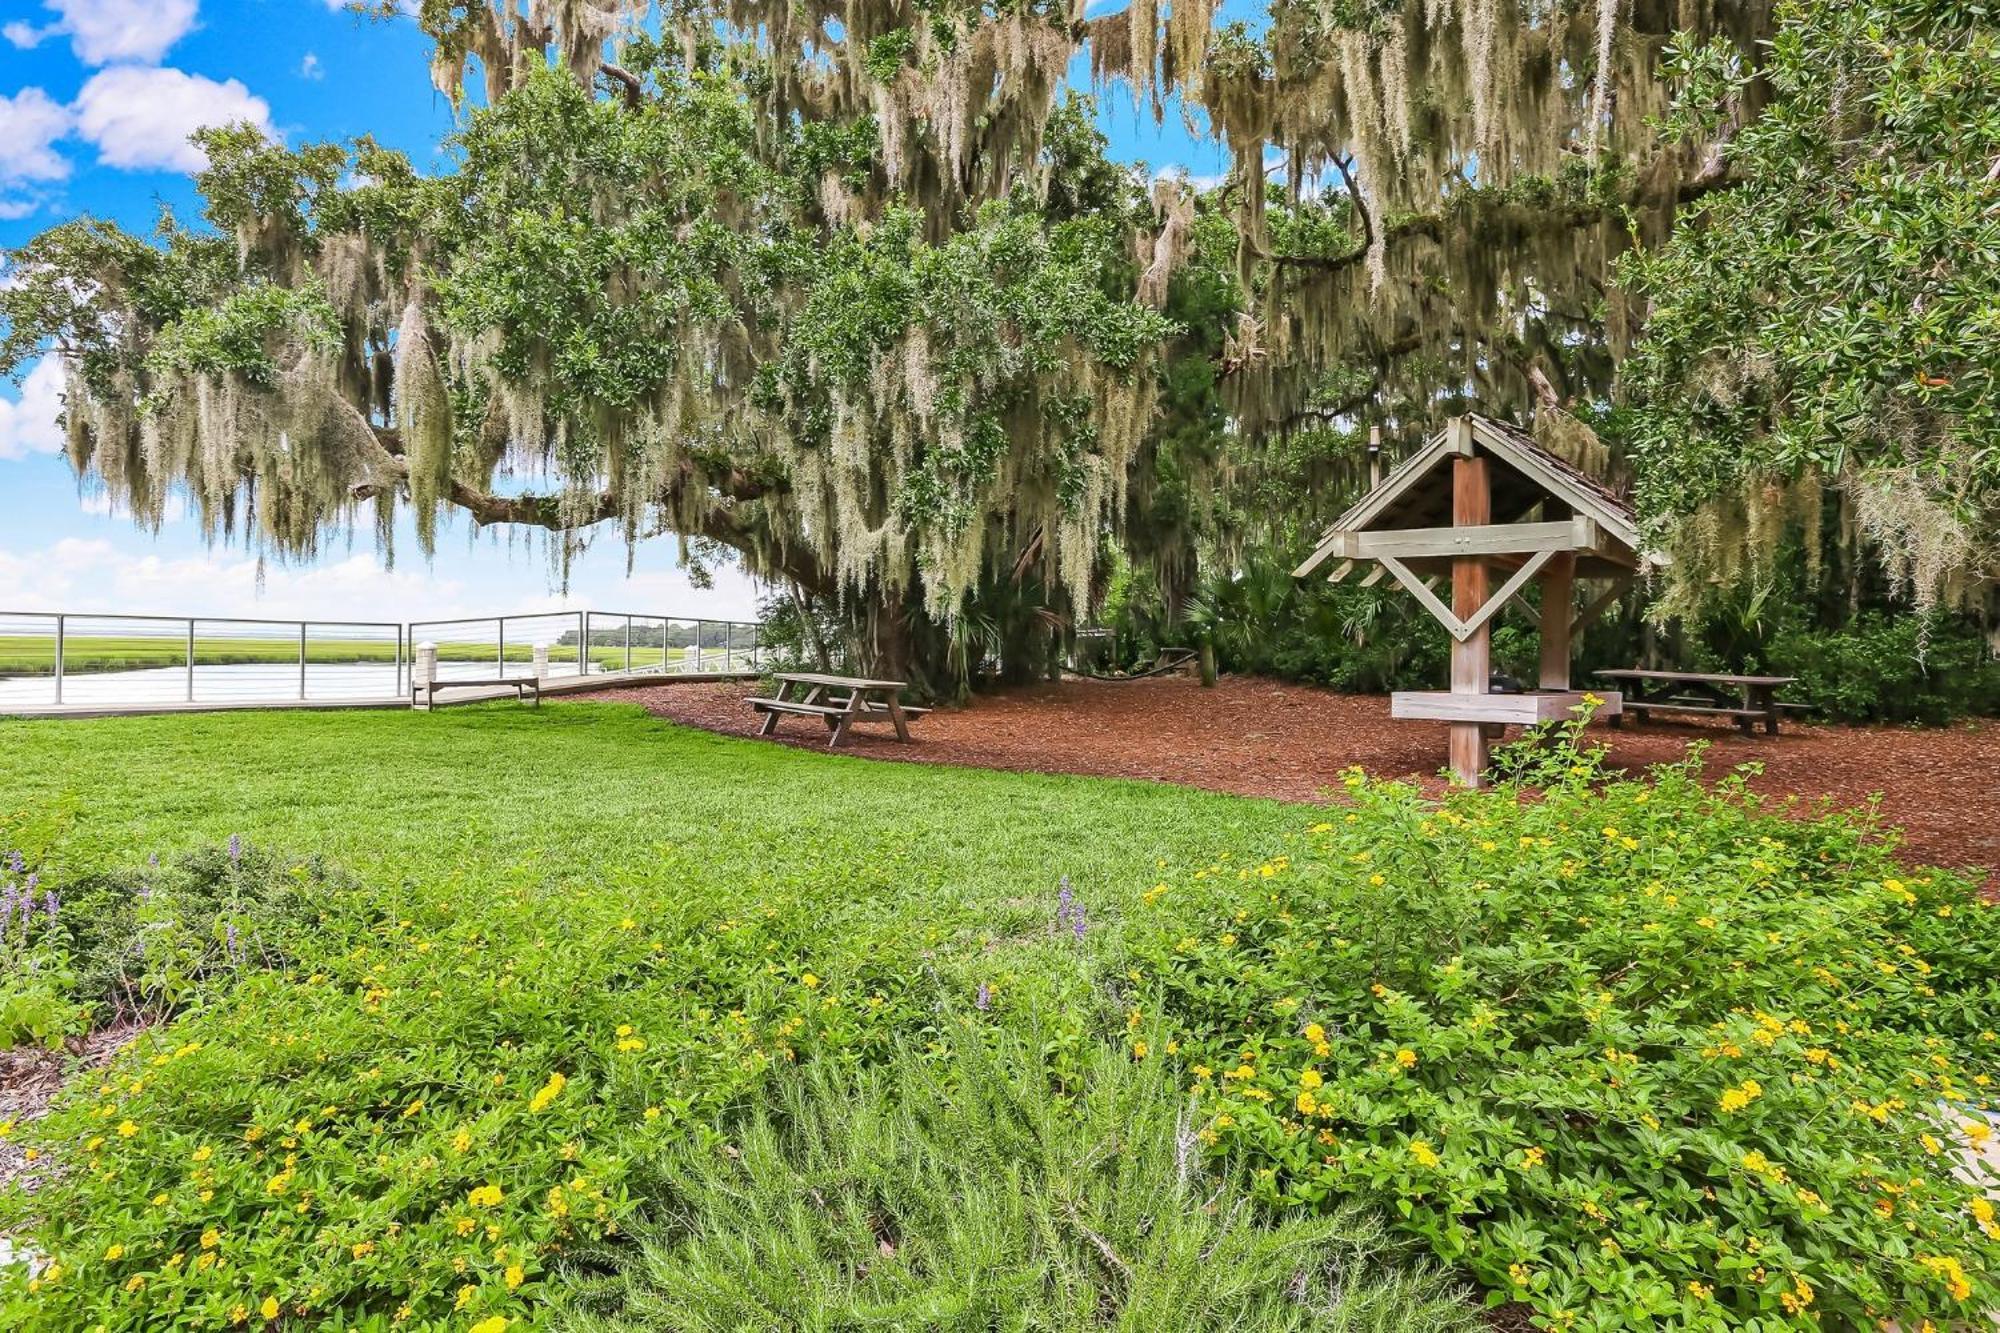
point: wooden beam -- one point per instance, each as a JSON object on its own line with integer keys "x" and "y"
{"x": 1374, "y": 577}
{"x": 1471, "y": 656}
{"x": 1596, "y": 605}
{"x": 1475, "y": 622}
{"x": 1558, "y": 586}
{"x": 1578, "y": 534}
{"x": 1340, "y": 571}
{"x": 1421, "y": 590}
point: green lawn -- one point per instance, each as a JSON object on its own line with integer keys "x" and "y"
{"x": 580, "y": 790}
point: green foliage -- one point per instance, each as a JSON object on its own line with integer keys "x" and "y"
{"x": 1632, "y": 1052}
{"x": 1890, "y": 669}
{"x": 504, "y": 921}
{"x": 1831, "y": 316}
{"x": 976, "y": 1190}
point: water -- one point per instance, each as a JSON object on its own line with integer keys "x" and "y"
{"x": 241, "y": 683}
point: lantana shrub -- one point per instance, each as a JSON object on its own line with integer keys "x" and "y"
{"x": 406, "y": 1116}
{"x": 1633, "y": 1052}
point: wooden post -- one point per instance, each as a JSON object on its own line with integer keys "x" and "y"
{"x": 1558, "y": 579}
{"x": 1471, "y": 659}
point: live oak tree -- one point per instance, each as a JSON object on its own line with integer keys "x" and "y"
{"x": 1825, "y": 335}
{"x": 850, "y": 290}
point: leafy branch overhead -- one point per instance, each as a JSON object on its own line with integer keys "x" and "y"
{"x": 853, "y": 289}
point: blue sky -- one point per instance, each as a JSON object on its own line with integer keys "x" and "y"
{"x": 96, "y": 100}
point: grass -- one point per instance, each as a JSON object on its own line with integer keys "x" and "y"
{"x": 587, "y": 790}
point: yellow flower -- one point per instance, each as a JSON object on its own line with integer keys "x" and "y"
{"x": 628, "y": 924}
{"x": 629, "y": 1044}
{"x": 239, "y": 1314}
{"x": 1139, "y": 1049}
{"x": 484, "y": 1196}
{"x": 114, "y": 1254}
{"x": 1407, "y": 1058}
{"x": 497, "y": 1324}
{"x": 1307, "y": 1103}
{"x": 1978, "y": 1131}
{"x": 1735, "y": 1099}
{"x": 1423, "y": 1152}
{"x": 210, "y": 1238}
{"x": 809, "y": 981}
{"x": 126, "y": 1129}
{"x": 269, "y": 1309}
{"x": 362, "y": 1249}
{"x": 652, "y": 1113}
{"x": 1532, "y": 1158}
{"x": 1311, "y": 1079}
{"x": 1315, "y": 1033}
{"x": 515, "y": 1276}
{"x": 203, "y": 1153}
{"x": 548, "y": 1092}
{"x": 461, "y": 1141}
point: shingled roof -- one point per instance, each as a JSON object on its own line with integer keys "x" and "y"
{"x": 1526, "y": 479}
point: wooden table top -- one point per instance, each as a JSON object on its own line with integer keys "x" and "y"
{"x": 1714, "y": 678}
{"x": 840, "y": 682}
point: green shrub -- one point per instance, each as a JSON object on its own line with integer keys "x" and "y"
{"x": 1632, "y": 1053}
{"x": 406, "y": 1111}
{"x": 1889, "y": 669}
{"x": 973, "y": 1191}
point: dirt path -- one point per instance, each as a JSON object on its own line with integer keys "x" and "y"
{"x": 1260, "y": 737}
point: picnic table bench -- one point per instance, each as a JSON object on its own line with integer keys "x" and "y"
{"x": 839, "y": 701}
{"x": 1754, "y": 698}
{"x": 521, "y": 685}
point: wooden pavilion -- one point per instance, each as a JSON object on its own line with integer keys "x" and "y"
{"x": 1483, "y": 499}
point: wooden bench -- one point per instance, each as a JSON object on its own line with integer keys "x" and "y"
{"x": 1704, "y": 694}
{"x": 839, "y": 701}
{"x": 521, "y": 685}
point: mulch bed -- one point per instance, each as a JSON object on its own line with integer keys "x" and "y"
{"x": 1257, "y": 737}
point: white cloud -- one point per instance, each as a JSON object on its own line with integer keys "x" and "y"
{"x": 104, "y": 31}
{"x": 141, "y": 118}
{"x": 310, "y": 68}
{"x": 110, "y": 506}
{"x": 28, "y": 426}
{"x": 30, "y": 124}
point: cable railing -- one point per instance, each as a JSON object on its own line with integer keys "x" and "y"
{"x": 588, "y": 643}
{"x": 126, "y": 660}
{"x": 63, "y": 660}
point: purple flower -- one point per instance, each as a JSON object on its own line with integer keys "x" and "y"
{"x": 1065, "y": 899}
{"x": 1076, "y": 924}
{"x": 984, "y": 1000}
{"x": 229, "y": 934}
{"x": 154, "y": 860}
{"x": 236, "y": 846}
{"x": 8, "y": 899}
{"x": 50, "y": 903}
{"x": 16, "y": 862}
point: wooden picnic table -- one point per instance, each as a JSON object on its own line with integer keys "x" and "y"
{"x": 1754, "y": 698}
{"x": 839, "y": 701}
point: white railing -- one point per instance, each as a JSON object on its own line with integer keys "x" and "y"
{"x": 64, "y": 660}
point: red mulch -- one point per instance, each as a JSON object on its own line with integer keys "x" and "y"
{"x": 1259, "y": 737}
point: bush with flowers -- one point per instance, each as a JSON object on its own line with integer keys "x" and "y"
{"x": 1630, "y": 1052}
{"x": 407, "y": 1115}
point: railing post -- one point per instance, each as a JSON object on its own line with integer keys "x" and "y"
{"x": 628, "y": 645}
{"x": 541, "y": 664}
{"x": 190, "y": 682}
{"x": 396, "y": 676}
{"x": 500, "y": 648}
{"x": 61, "y": 629}
{"x": 423, "y": 672}
{"x": 697, "y": 647}
{"x": 583, "y": 643}
{"x": 302, "y": 659}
